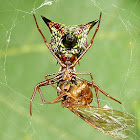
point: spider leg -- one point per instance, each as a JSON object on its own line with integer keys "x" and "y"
{"x": 56, "y": 73}
{"x": 97, "y": 88}
{"x": 37, "y": 87}
{"x": 88, "y": 46}
{"x": 106, "y": 94}
{"x": 84, "y": 73}
{"x": 97, "y": 96}
{"x": 47, "y": 75}
{"x": 93, "y": 85}
{"x": 57, "y": 99}
{"x": 44, "y": 83}
{"x": 48, "y": 45}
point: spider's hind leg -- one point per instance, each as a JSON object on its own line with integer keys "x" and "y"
{"x": 37, "y": 87}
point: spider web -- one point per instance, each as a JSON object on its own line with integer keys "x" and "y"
{"x": 24, "y": 60}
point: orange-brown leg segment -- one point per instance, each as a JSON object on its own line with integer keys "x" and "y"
{"x": 88, "y": 46}
{"x": 51, "y": 74}
{"x": 47, "y": 44}
{"x": 84, "y": 73}
{"x": 97, "y": 96}
{"x": 37, "y": 88}
{"x": 97, "y": 88}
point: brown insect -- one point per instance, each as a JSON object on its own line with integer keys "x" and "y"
{"x": 75, "y": 93}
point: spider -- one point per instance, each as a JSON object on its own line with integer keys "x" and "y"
{"x": 70, "y": 37}
{"x": 68, "y": 45}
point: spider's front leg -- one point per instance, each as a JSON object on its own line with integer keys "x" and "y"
{"x": 88, "y": 46}
{"x": 85, "y": 73}
{"x": 51, "y": 74}
{"x": 47, "y": 44}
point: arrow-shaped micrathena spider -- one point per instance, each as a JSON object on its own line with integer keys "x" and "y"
{"x": 68, "y": 45}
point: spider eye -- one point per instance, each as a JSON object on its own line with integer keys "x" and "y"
{"x": 69, "y": 40}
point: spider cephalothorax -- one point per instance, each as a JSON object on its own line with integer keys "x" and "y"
{"x": 68, "y": 42}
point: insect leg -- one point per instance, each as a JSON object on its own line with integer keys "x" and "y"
{"x": 56, "y": 100}
{"x": 47, "y": 44}
{"x": 47, "y": 75}
{"x": 56, "y": 73}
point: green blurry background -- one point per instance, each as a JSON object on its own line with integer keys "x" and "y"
{"x": 24, "y": 60}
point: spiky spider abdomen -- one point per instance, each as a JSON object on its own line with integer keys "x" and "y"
{"x": 68, "y": 42}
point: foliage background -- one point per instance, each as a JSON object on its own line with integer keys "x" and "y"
{"x": 24, "y": 60}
